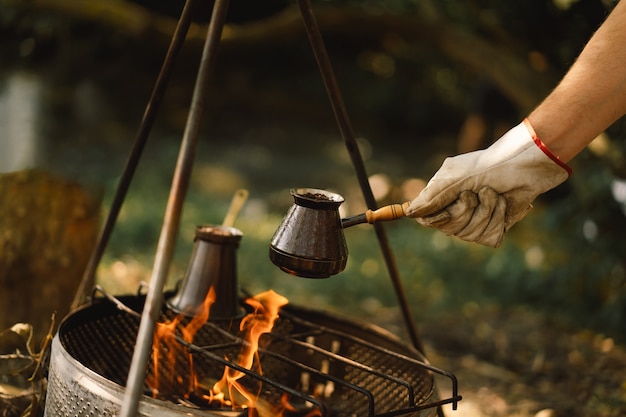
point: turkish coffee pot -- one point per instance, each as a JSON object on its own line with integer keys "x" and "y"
{"x": 213, "y": 265}
{"x": 310, "y": 241}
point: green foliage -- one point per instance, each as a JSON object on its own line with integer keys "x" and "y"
{"x": 269, "y": 128}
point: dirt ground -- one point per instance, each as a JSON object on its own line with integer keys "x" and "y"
{"x": 518, "y": 363}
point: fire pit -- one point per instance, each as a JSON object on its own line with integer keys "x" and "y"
{"x": 321, "y": 364}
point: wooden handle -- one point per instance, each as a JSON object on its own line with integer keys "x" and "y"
{"x": 385, "y": 213}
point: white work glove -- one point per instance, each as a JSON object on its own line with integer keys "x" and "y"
{"x": 479, "y": 195}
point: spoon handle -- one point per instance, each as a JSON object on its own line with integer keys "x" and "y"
{"x": 236, "y": 204}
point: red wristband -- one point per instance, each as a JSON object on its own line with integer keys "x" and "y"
{"x": 545, "y": 149}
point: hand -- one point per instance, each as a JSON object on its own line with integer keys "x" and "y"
{"x": 478, "y": 196}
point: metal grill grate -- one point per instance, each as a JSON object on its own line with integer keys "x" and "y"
{"x": 316, "y": 360}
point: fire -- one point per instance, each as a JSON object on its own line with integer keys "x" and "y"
{"x": 266, "y": 306}
{"x": 166, "y": 350}
{"x": 228, "y": 391}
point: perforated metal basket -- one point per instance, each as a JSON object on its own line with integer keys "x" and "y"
{"x": 341, "y": 367}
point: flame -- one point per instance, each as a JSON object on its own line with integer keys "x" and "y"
{"x": 166, "y": 350}
{"x": 228, "y": 391}
{"x": 265, "y": 312}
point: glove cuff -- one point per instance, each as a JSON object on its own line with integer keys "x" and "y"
{"x": 544, "y": 148}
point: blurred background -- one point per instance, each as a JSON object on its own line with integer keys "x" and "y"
{"x": 422, "y": 80}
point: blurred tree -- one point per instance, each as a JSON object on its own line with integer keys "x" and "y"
{"x": 523, "y": 48}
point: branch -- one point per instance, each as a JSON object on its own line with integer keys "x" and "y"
{"x": 506, "y": 68}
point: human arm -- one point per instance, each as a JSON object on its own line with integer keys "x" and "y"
{"x": 591, "y": 96}
{"x": 478, "y": 196}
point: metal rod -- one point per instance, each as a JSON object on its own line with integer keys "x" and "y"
{"x": 302, "y": 367}
{"x": 343, "y": 121}
{"x": 315, "y": 330}
{"x": 169, "y": 230}
{"x": 357, "y": 365}
{"x": 141, "y": 138}
{"x": 293, "y": 393}
{"x": 387, "y": 352}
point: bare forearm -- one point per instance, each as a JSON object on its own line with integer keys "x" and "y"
{"x": 591, "y": 96}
